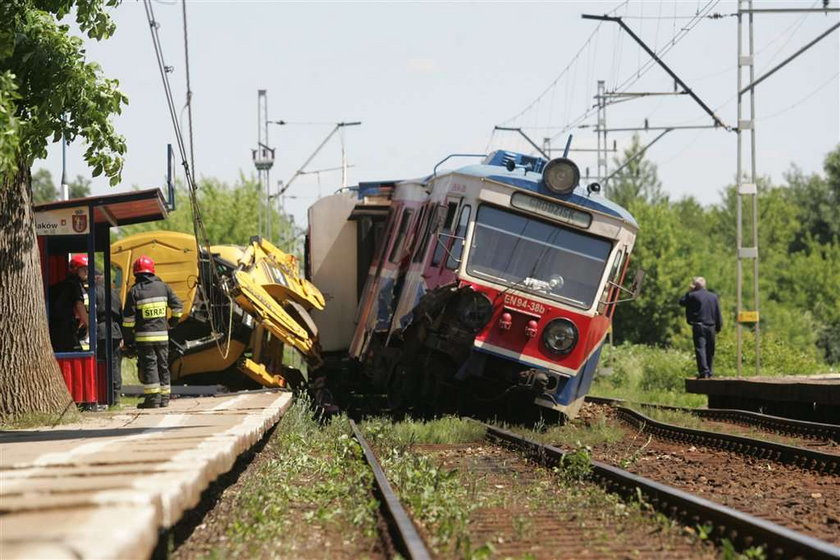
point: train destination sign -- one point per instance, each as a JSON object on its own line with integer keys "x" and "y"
{"x": 551, "y": 210}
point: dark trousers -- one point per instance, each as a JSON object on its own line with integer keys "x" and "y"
{"x": 704, "y": 348}
{"x": 153, "y": 367}
{"x": 116, "y": 364}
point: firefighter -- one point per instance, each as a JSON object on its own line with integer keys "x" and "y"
{"x": 145, "y": 330}
{"x": 68, "y": 301}
{"x": 103, "y": 317}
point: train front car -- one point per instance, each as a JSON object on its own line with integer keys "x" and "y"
{"x": 511, "y": 299}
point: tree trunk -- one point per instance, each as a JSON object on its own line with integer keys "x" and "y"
{"x": 30, "y": 380}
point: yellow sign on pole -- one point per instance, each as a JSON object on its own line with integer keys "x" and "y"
{"x": 748, "y": 316}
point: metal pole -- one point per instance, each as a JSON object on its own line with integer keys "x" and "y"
{"x": 600, "y": 133}
{"x": 753, "y": 178}
{"x": 65, "y": 189}
{"x": 738, "y": 178}
{"x": 259, "y": 171}
{"x": 660, "y": 62}
{"x": 754, "y": 82}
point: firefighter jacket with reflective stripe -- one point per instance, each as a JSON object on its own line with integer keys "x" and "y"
{"x": 144, "y": 314}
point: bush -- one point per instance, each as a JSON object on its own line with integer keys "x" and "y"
{"x": 648, "y": 374}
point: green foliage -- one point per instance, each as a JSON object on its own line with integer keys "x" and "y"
{"x": 229, "y": 213}
{"x": 314, "y": 476}
{"x": 648, "y": 374}
{"x": 576, "y": 465}
{"x": 43, "y": 188}
{"x": 637, "y": 180}
{"x": 78, "y": 187}
{"x": 48, "y": 89}
{"x": 449, "y": 429}
{"x": 799, "y": 243}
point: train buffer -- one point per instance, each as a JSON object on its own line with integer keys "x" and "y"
{"x": 108, "y": 487}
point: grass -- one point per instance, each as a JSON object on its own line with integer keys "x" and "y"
{"x": 41, "y": 420}
{"x": 448, "y": 429}
{"x": 647, "y": 374}
{"x": 435, "y": 496}
{"x": 444, "y": 500}
{"x": 675, "y": 417}
{"x": 313, "y": 482}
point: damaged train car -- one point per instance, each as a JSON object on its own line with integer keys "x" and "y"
{"x": 497, "y": 281}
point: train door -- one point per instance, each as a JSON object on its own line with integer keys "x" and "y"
{"x": 414, "y": 285}
{"x": 443, "y": 264}
{"x": 377, "y": 307}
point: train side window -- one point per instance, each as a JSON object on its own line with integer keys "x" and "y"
{"x": 458, "y": 246}
{"x": 425, "y": 228}
{"x": 398, "y": 249}
{"x": 416, "y": 233}
{"x": 444, "y": 240}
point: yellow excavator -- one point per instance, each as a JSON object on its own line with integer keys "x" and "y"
{"x": 246, "y": 309}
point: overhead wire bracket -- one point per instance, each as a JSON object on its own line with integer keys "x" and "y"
{"x": 664, "y": 66}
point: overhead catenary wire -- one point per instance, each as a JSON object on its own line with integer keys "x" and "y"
{"x": 201, "y": 238}
{"x": 189, "y": 88}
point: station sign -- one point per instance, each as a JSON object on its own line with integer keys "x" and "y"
{"x": 63, "y": 221}
{"x": 552, "y": 210}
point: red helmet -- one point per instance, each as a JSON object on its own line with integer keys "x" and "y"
{"x": 144, "y": 264}
{"x": 78, "y": 261}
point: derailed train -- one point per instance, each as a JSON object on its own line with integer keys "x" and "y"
{"x": 497, "y": 281}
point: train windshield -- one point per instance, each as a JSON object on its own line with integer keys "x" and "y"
{"x": 536, "y": 256}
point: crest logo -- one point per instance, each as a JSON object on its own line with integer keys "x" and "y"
{"x": 80, "y": 223}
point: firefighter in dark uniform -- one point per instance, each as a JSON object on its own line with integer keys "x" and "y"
{"x": 102, "y": 320}
{"x": 702, "y": 312}
{"x": 145, "y": 328}
{"x": 68, "y": 302}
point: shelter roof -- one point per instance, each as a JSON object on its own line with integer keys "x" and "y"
{"x": 119, "y": 209}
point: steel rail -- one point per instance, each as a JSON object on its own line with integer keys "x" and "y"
{"x": 790, "y": 426}
{"x": 408, "y": 540}
{"x": 778, "y": 452}
{"x": 739, "y": 528}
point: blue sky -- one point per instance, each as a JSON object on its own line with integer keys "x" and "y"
{"x": 430, "y": 79}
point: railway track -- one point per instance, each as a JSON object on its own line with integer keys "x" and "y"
{"x": 825, "y": 463}
{"x": 786, "y": 426}
{"x": 741, "y": 529}
{"x": 400, "y": 534}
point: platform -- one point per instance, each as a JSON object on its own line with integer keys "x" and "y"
{"x": 807, "y": 397}
{"x": 106, "y": 488}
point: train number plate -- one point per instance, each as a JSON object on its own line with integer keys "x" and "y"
{"x": 525, "y": 304}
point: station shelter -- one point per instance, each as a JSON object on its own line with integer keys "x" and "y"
{"x": 83, "y": 226}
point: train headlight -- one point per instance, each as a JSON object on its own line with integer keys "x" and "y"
{"x": 560, "y": 336}
{"x": 474, "y": 310}
{"x": 561, "y": 175}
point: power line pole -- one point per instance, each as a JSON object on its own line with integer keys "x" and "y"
{"x": 747, "y": 188}
{"x": 263, "y": 160}
{"x": 601, "y": 133}
{"x": 746, "y": 179}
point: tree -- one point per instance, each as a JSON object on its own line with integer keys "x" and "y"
{"x": 229, "y": 214}
{"x": 78, "y": 187}
{"x": 43, "y": 189}
{"x": 637, "y": 180}
{"x": 47, "y": 89}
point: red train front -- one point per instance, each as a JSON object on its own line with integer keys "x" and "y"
{"x": 495, "y": 281}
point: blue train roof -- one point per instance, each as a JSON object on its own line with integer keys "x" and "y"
{"x": 494, "y": 168}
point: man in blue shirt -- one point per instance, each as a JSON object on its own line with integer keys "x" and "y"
{"x": 702, "y": 312}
